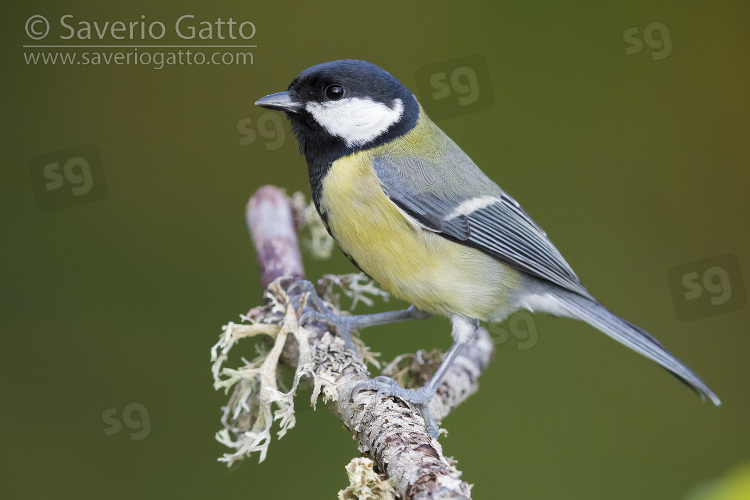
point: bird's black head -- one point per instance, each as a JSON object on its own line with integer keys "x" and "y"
{"x": 339, "y": 107}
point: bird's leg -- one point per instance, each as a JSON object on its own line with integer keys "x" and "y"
{"x": 386, "y": 386}
{"x": 345, "y": 324}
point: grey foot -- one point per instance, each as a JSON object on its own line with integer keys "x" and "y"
{"x": 318, "y": 312}
{"x": 386, "y": 386}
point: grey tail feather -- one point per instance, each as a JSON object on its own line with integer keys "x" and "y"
{"x": 633, "y": 337}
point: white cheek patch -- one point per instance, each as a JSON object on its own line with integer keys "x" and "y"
{"x": 356, "y": 120}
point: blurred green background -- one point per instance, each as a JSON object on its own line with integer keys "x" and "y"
{"x": 633, "y": 163}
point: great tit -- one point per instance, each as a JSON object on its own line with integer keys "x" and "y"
{"x": 412, "y": 210}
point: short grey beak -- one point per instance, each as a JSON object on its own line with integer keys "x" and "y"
{"x": 280, "y": 101}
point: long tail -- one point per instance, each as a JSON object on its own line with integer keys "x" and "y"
{"x": 578, "y": 307}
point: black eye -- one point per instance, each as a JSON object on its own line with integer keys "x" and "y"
{"x": 334, "y": 92}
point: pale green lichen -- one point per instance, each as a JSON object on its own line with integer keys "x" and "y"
{"x": 357, "y": 286}
{"x": 414, "y": 369}
{"x": 257, "y": 400}
{"x": 250, "y": 414}
{"x": 364, "y": 484}
{"x": 319, "y": 243}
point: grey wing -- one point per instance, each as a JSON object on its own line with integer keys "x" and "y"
{"x": 465, "y": 206}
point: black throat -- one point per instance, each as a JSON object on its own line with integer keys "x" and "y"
{"x": 321, "y": 149}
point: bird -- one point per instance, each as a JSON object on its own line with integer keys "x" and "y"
{"x": 411, "y": 210}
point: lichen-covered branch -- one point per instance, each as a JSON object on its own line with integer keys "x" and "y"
{"x": 390, "y": 432}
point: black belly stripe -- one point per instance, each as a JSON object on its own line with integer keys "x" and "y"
{"x": 353, "y": 261}
{"x": 324, "y": 218}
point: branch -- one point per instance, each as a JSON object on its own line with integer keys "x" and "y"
{"x": 271, "y": 224}
{"x": 388, "y": 430}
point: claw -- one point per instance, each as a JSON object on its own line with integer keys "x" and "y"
{"x": 310, "y": 316}
{"x": 317, "y": 311}
{"x": 302, "y": 285}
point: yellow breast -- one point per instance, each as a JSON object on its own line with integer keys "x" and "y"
{"x": 414, "y": 264}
